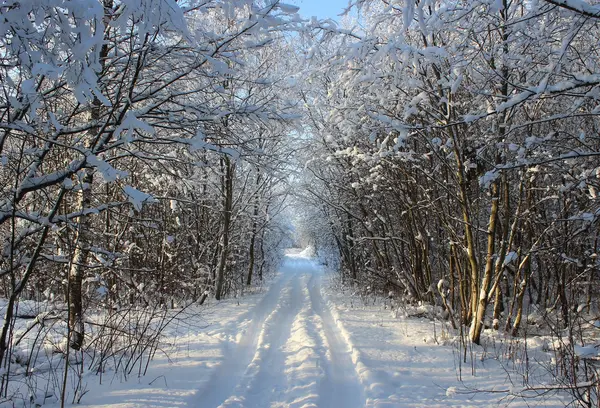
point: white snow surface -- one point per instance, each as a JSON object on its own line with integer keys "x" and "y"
{"x": 299, "y": 344}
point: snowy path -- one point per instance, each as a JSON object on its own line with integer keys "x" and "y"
{"x": 291, "y": 354}
{"x": 295, "y": 347}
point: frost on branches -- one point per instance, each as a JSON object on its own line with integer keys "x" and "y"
{"x": 101, "y": 106}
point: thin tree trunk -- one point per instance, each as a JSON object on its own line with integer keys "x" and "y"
{"x": 252, "y": 243}
{"x": 477, "y": 322}
{"x": 521, "y": 293}
{"x": 227, "y": 207}
{"x": 499, "y": 268}
{"x": 82, "y": 239}
{"x": 470, "y": 240}
{"x": 78, "y": 263}
{"x": 488, "y": 274}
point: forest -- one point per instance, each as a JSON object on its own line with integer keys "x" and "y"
{"x": 159, "y": 154}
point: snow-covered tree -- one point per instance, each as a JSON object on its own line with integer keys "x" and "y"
{"x": 122, "y": 125}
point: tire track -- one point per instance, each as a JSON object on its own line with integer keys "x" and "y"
{"x": 263, "y": 382}
{"x": 341, "y": 386}
{"x": 230, "y": 372}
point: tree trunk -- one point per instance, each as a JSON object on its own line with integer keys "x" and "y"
{"x": 470, "y": 240}
{"x": 254, "y": 231}
{"x": 227, "y": 206}
{"x": 77, "y": 267}
{"x": 521, "y": 293}
{"x": 252, "y": 242}
{"x": 477, "y": 321}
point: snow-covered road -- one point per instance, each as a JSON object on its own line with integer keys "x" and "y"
{"x": 292, "y": 354}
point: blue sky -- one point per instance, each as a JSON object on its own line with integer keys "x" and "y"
{"x": 320, "y": 8}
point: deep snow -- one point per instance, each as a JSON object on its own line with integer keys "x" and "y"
{"x": 299, "y": 344}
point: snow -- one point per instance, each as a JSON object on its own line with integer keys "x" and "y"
{"x": 291, "y": 354}
{"x": 131, "y": 123}
{"x": 586, "y": 351}
{"x": 304, "y": 343}
{"x": 137, "y": 198}
{"x": 579, "y": 5}
{"x": 287, "y": 8}
{"x": 413, "y": 362}
{"x": 108, "y": 173}
{"x": 488, "y": 178}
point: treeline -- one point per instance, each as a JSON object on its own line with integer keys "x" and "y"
{"x": 140, "y": 146}
{"x": 456, "y": 157}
